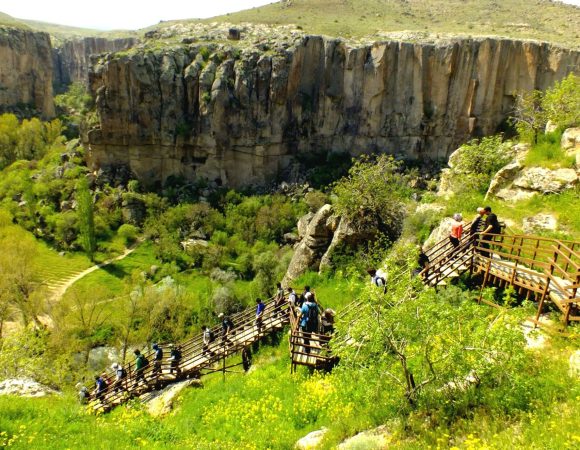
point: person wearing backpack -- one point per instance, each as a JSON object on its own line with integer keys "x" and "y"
{"x": 227, "y": 328}
{"x": 141, "y": 363}
{"x": 175, "y": 358}
{"x": 83, "y": 395}
{"x": 157, "y": 359}
{"x": 120, "y": 375}
{"x": 100, "y": 387}
{"x": 309, "y": 316}
{"x": 378, "y": 279}
{"x": 260, "y": 308}
{"x": 208, "y": 338}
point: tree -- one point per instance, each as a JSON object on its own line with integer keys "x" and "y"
{"x": 562, "y": 103}
{"x": 19, "y": 288}
{"x": 85, "y": 212}
{"x": 372, "y": 195}
{"x": 528, "y": 116}
{"x": 81, "y": 319}
{"x": 427, "y": 346}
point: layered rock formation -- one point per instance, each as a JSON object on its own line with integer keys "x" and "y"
{"x": 240, "y": 116}
{"x": 72, "y": 58}
{"x": 25, "y": 71}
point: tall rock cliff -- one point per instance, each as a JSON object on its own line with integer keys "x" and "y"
{"x": 240, "y": 116}
{"x": 25, "y": 70}
{"x": 72, "y": 58}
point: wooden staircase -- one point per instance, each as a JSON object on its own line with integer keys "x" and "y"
{"x": 196, "y": 357}
{"x": 547, "y": 269}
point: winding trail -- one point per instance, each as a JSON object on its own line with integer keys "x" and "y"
{"x": 58, "y": 293}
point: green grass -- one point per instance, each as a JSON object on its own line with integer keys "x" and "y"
{"x": 270, "y": 408}
{"x": 555, "y": 22}
{"x": 548, "y": 153}
{"x": 110, "y": 279}
{"x": 10, "y": 21}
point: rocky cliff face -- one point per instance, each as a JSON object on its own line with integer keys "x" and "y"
{"x": 25, "y": 70}
{"x": 240, "y": 116}
{"x": 72, "y": 58}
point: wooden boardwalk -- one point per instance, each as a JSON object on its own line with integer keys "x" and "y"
{"x": 197, "y": 359}
{"x": 542, "y": 268}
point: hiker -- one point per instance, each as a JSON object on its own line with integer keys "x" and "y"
{"x": 306, "y": 295}
{"x": 491, "y": 227}
{"x": 120, "y": 375}
{"x": 174, "y": 358}
{"x": 157, "y": 359}
{"x": 140, "y": 364}
{"x": 423, "y": 262}
{"x": 100, "y": 387}
{"x": 292, "y": 297}
{"x": 309, "y": 315}
{"x": 477, "y": 224}
{"x": 280, "y": 299}
{"x": 260, "y": 307}
{"x": 328, "y": 321}
{"x": 227, "y": 328}
{"x": 456, "y": 230}
{"x": 83, "y": 394}
{"x": 378, "y": 278}
{"x": 208, "y": 338}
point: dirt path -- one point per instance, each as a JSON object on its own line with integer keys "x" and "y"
{"x": 60, "y": 291}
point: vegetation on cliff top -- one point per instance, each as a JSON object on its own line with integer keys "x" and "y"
{"x": 544, "y": 20}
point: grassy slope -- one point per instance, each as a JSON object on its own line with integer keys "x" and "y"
{"x": 67, "y": 32}
{"x": 539, "y": 19}
{"x": 7, "y": 20}
{"x": 271, "y": 408}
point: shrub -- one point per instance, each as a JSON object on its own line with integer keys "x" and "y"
{"x": 372, "y": 195}
{"x": 128, "y": 233}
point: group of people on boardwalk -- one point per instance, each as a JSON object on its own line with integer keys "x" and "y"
{"x": 312, "y": 319}
{"x": 483, "y": 228}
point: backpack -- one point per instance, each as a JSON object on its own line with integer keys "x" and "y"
{"x": 121, "y": 373}
{"x": 377, "y": 278}
{"x": 312, "y": 313}
{"x": 145, "y": 361}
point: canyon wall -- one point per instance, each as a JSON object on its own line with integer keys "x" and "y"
{"x": 72, "y": 58}
{"x": 26, "y": 71}
{"x": 241, "y": 116}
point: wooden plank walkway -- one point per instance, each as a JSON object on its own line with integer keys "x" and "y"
{"x": 196, "y": 358}
{"x": 547, "y": 269}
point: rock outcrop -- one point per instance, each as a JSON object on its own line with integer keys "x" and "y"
{"x": 376, "y": 439}
{"x": 320, "y": 236}
{"x": 25, "y": 71}
{"x": 515, "y": 183}
{"x": 160, "y": 403}
{"x": 312, "y": 440}
{"x": 219, "y": 112}
{"x": 72, "y": 58}
{"x": 24, "y": 387}
{"x": 311, "y": 248}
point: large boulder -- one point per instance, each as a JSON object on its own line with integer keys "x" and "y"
{"x": 439, "y": 233}
{"x": 161, "y": 403}
{"x": 539, "y": 222}
{"x": 312, "y": 440}
{"x": 344, "y": 235}
{"x": 24, "y": 387}
{"x": 313, "y": 245}
{"x": 570, "y": 139}
{"x": 546, "y": 181}
{"x": 375, "y": 439}
{"x": 514, "y": 182}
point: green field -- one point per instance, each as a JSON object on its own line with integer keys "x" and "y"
{"x": 541, "y": 19}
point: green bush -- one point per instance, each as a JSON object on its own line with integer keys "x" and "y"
{"x": 128, "y": 233}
